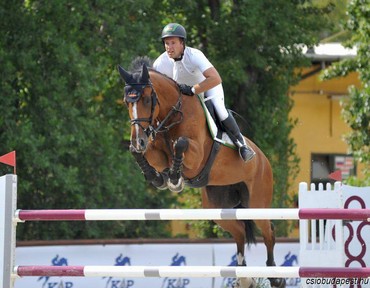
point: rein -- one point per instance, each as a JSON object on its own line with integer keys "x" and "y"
{"x": 175, "y": 109}
{"x": 151, "y": 130}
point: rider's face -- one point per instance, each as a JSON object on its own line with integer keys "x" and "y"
{"x": 174, "y": 46}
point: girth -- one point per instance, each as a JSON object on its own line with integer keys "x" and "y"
{"x": 202, "y": 179}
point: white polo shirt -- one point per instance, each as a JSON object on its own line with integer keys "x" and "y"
{"x": 189, "y": 70}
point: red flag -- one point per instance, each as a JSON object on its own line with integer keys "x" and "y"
{"x": 9, "y": 159}
{"x": 336, "y": 175}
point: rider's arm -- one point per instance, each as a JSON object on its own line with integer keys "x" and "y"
{"x": 212, "y": 80}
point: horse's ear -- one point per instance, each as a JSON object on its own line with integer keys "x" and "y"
{"x": 125, "y": 75}
{"x": 144, "y": 74}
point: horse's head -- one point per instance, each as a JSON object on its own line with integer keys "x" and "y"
{"x": 141, "y": 101}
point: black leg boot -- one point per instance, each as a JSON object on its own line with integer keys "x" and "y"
{"x": 232, "y": 129}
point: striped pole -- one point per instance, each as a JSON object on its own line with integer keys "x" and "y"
{"x": 191, "y": 271}
{"x": 193, "y": 214}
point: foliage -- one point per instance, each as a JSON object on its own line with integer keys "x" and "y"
{"x": 253, "y": 44}
{"x": 61, "y": 112}
{"x": 356, "y": 110}
{"x": 61, "y": 95}
{"x": 336, "y": 18}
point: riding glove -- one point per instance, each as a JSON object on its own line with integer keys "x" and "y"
{"x": 186, "y": 89}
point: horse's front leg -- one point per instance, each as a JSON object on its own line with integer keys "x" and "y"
{"x": 176, "y": 182}
{"x": 158, "y": 180}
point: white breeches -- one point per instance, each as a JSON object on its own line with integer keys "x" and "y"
{"x": 219, "y": 104}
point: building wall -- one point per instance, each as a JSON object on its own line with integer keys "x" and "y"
{"x": 320, "y": 127}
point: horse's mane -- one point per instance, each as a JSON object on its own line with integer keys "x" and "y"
{"x": 138, "y": 63}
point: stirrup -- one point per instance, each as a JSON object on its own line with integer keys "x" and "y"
{"x": 246, "y": 153}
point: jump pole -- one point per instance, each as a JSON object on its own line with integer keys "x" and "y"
{"x": 191, "y": 271}
{"x": 192, "y": 214}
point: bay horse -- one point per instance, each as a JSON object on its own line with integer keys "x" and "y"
{"x": 173, "y": 147}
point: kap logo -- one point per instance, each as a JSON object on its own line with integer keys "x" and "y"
{"x": 228, "y": 282}
{"x": 177, "y": 260}
{"x": 289, "y": 260}
{"x": 120, "y": 283}
{"x": 47, "y": 282}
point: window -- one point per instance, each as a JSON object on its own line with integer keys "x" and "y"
{"x": 324, "y": 164}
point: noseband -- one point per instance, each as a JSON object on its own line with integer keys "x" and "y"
{"x": 133, "y": 93}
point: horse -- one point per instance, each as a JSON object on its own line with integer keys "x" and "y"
{"x": 290, "y": 259}
{"x": 122, "y": 261}
{"x": 173, "y": 147}
{"x": 178, "y": 260}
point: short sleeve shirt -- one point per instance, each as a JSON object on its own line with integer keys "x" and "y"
{"x": 189, "y": 70}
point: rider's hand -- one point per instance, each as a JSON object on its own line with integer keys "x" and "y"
{"x": 186, "y": 89}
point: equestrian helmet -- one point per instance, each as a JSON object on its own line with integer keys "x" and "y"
{"x": 174, "y": 30}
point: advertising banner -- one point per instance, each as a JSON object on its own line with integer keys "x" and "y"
{"x": 146, "y": 255}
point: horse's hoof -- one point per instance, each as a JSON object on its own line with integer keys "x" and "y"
{"x": 245, "y": 283}
{"x": 160, "y": 183}
{"x": 161, "y": 180}
{"x": 278, "y": 282}
{"x": 162, "y": 187}
{"x": 178, "y": 187}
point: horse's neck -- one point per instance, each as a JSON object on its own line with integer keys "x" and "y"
{"x": 166, "y": 90}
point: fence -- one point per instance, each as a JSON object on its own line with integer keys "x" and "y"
{"x": 328, "y": 251}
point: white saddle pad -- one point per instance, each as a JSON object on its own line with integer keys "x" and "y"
{"x": 212, "y": 127}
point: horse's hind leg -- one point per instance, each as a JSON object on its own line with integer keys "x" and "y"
{"x": 268, "y": 234}
{"x": 228, "y": 197}
{"x": 265, "y": 226}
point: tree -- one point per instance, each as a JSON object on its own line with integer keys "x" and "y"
{"x": 334, "y": 31}
{"x": 59, "y": 111}
{"x": 253, "y": 44}
{"x": 64, "y": 116}
{"x": 356, "y": 110}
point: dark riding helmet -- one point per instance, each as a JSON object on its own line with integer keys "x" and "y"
{"x": 174, "y": 30}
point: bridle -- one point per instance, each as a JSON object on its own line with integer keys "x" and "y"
{"x": 133, "y": 93}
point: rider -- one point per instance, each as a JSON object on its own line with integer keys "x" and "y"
{"x": 191, "y": 68}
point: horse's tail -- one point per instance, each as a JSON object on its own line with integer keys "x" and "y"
{"x": 139, "y": 61}
{"x": 250, "y": 229}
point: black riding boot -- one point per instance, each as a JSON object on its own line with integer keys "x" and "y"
{"x": 232, "y": 129}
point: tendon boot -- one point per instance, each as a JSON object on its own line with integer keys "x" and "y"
{"x": 232, "y": 129}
